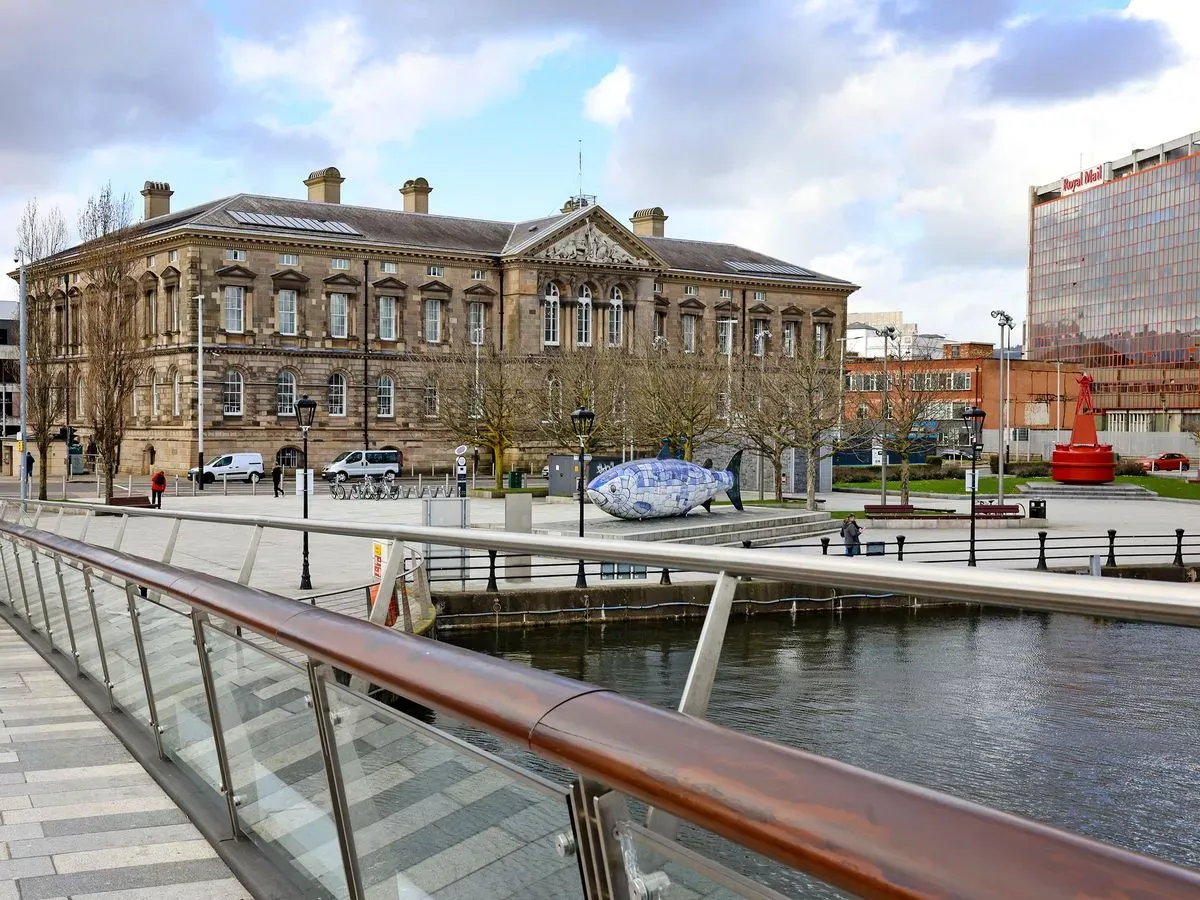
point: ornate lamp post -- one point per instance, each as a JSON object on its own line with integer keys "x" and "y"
{"x": 973, "y": 418}
{"x": 582, "y": 420}
{"x": 306, "y": 411}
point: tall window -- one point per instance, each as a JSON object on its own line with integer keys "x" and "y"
{"x": 154, "y": 393}
{"x": 80, "y": 404}
{"x": 550, "y": 316}
{"x": 431, "y": 397}
{"x": 475, "y": 323}
{"x": 660, "y": 324}
{"x": 689, "y": 334}
{"x": 286, "y": 317}
{"x": 616, "y": 317}
{"x": 151, "y": 313}
{"x": 583, "y": 320}
{"x": 176, "y": 391}
{"x": 337, "y": 394}
{"x": 339, "y": 315}
{"x": 133, "y": 403}
{"x": 789, "y": 338}
{"x": 821, "y": 338}
{"x": 234, "y": 393}
{"x": 285, "y": 394}
{"x": 173, "y": 299}
{"x": 433, "y": 321}
{"x": 387, "y": 318}
{"x": 235, "y": 308}
{"x": 385, "y": 393}
{"x": 725, "y": 336}
{"x": 759, "y": 335}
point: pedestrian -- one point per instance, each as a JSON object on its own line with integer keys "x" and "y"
{"x": 851, "y": 532}
{"x": 28, "y": 466}
{"x": 277, "y": 479}
{"x": 158, "y": 486}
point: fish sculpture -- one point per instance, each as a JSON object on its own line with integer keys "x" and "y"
{"x": 664, "y": 487}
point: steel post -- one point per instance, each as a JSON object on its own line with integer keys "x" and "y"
{"x": 91, "y": 599}
{"x": 1178, "y": 561}
{"x": 214, "y": 718}
{"x": 135, "y": 616}
{"x": 1112, "y": 547}
{"x": 37, "y": 576}
{"x": 24, "y": 592}
{"x": 62, "y": 593}
{"x": 1041, "y": 563}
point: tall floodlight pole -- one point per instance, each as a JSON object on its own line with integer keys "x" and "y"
{"x": 1005, "y": 321}
{"x": 24, "y": 303}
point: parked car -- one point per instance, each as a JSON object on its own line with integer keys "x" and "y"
{"x": 360, "y": 463}
{"x": 238, "y": 466}
{"x": 953, "y": 453}
{"x": 1166, "y": 462}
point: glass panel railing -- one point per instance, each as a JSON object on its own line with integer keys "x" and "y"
{"x": 120, "y": 647}
{"x": 432, "y": 816}
{"x": 276, "y": 762}
{"x": 171, "y": 660}
{"x": 81, "y": 622}
{"x": 48, "y": 604}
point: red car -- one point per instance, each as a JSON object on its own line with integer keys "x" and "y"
{"x": 1166, "y": 462}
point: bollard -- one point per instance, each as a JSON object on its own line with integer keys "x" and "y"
{"x": 131, "y": 485}
{"x": 900, "y": 548}
{"x": 176, "y": 485}
{"x": 491, "y": 585}
{"x": 225, "y": 485}
{"x": 666, "y": 576}
{"x": 824, "y": 546}
{"x": 1179, "y": 547}
{"x": 64, "y": 491}
{"x": 447, "y": 484}
{"x": 1041, "y": 564}
{"x": 1112, "y": 547}
{"x": 745, "y": 546}
{"x": 419, "y": 484}
{"x": 193, "y": 481}
{"x": 253, "y": 487}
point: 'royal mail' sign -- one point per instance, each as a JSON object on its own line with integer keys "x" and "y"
{"x": 1083, "y": 180}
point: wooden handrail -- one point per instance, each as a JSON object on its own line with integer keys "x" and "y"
{"x": 862, "y": 832}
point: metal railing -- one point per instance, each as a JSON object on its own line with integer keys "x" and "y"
{"x": 316, "y": 774}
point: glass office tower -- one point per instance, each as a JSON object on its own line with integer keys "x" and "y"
{"x": 1114, "y": 276}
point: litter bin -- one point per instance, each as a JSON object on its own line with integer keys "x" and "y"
{"x": 1037, "y": 509}
{"x": 515, "y": 479}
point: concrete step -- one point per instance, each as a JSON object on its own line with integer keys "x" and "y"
{"x": 1049, "y": 491}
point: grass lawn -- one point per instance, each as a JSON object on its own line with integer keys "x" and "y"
{"x": 987, "y": 485}
{"x": 1177, "y": 488}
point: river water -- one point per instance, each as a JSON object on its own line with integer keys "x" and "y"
{"x": 1085, "y": 724}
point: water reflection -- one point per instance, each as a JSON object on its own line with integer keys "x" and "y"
{"x": 1085, "y": 724}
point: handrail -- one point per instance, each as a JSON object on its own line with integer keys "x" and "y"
{"x": 859, "y": 831}
{"x": 1044, "y": 591}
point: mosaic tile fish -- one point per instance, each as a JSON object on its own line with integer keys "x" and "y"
{"x": 662, "y": 488}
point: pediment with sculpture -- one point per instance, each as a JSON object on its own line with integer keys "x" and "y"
{"x": 590, "y": 244}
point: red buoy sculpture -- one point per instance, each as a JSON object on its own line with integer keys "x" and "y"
{"x": 1085, "y": 460}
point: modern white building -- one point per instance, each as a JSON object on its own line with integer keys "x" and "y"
{"x": 864, "y": 340}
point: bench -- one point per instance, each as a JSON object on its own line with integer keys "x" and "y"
{"x": 891, "y": 509}
{"x": 134, "y": 502}
{"x": 999, "y": 509}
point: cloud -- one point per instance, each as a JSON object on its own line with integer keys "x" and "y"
{"x": 608, "y": 101}
{"x": 1066, "y": 59}
{"x": 941, "y": 20}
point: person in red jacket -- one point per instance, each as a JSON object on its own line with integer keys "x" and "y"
{"x": 158, "y": 485}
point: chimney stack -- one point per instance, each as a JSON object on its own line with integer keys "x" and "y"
{"x": 649, "y": 222}
{"x": 158, "y": 199}
{"x": 325, "y": 186}
{"x": 416, "y": 195}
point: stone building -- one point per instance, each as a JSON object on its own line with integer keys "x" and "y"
{"x": 350, "y": 304}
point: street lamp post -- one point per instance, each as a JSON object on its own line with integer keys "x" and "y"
{"x": 973, "y": 418}
{"x": 199, "y": 298}
{"x": 24, "y": 301}
{"x": 306, "y": 411}
{"x": 582, "y": 420}
{"x": 1005, "y": 321}
{"x": 888, "y": 332}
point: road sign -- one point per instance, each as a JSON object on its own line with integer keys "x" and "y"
{"x": 461, "y": 450}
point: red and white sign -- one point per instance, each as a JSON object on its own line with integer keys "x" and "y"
{"x": 1081, "y": 181}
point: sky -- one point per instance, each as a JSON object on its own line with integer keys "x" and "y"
{"x": 889, "y": 142}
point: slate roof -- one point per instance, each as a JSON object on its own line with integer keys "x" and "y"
{"x": 451, "y": 233}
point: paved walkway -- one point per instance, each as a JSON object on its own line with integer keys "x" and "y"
{"x": 79, "y": 818}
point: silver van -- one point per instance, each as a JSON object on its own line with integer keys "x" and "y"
{"x": 360, "y": 463}
{"x": 231, "y": 466}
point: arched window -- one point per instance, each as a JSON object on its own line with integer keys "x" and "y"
{"x": 431, "y": 397}
{"x": 285, "y": 394}
{"x": 133, "y": 402}
{"x": 550, "y": 316}
{"x": 385, "y": 393}
{"x": 583, "y": 318}
{"x": 337, "y": 394}
{"x": 80, "y": 401}
{"x": 288, "y": 457}
{"x": 616, "y": 317}
{"x": 554, "y": 399}
{"x": 176, "y": 392}
{"x": 154, "y": 393}
{"x": 234, "y": 393}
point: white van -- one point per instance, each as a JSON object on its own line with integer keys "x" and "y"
{"x": 360, "y": 463}
{"x": 232, "y": 466}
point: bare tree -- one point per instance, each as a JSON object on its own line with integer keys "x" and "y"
{"x": 583, "y": 376}
{"x": 41, "y": 235}
{"x": 912, "y": 398}
{"x": 679, "y": 395}
{"x": 110, "y": 305}
{"x": 484, "y": 400}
